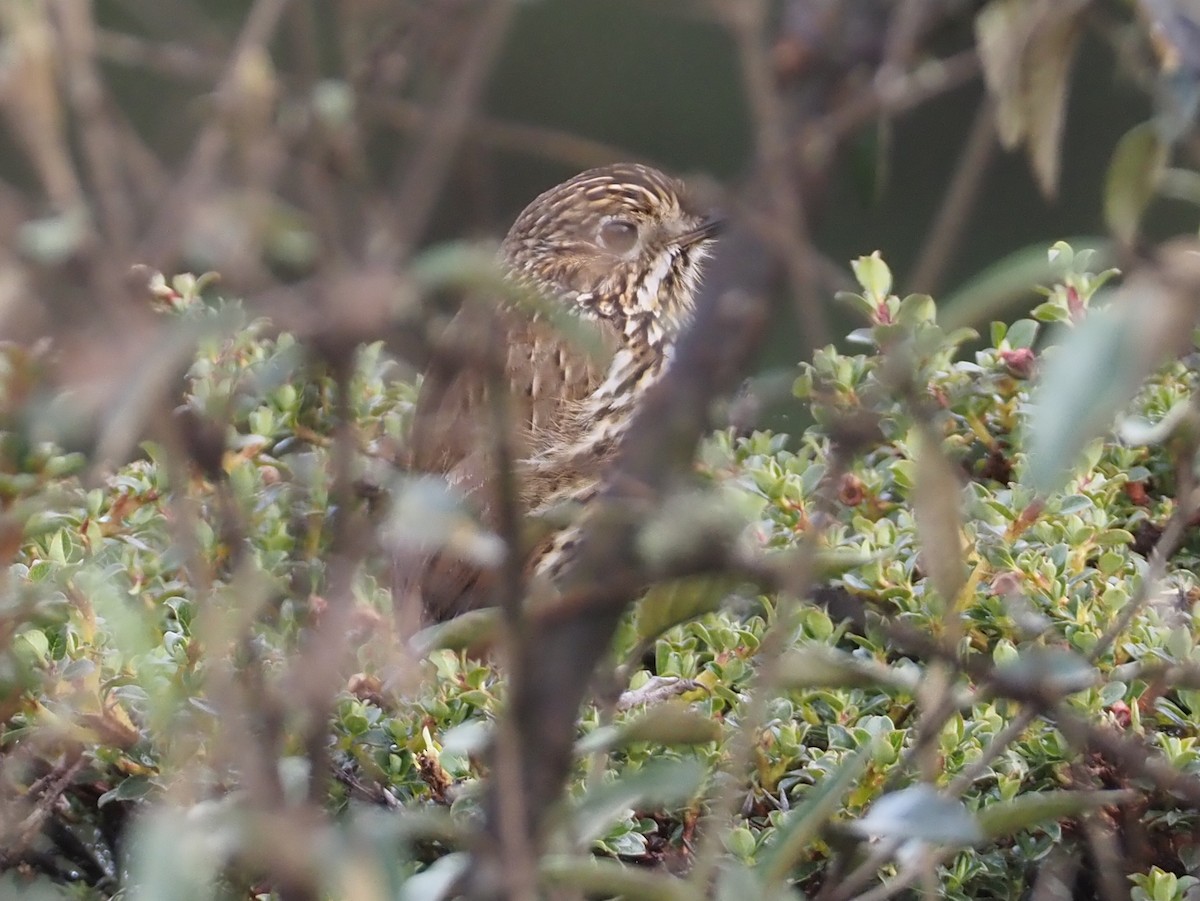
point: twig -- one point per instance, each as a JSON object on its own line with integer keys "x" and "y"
{"x": 164, "y": 57}
{"x": 559, "y": 653}
{"x": 199, "y": 172}
{"x": 789, "y": 232}
{"x": 97, "y": 134}
{"x": 532, "y": 140}
{"x": 520, "y": 857}
{"x": 890, "y": 98}
{"x": 948, "y": 229}
{"x": 431, "y": 165}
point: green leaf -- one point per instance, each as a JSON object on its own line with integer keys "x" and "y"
{"x": 874, "y": 276}
{"x": 1006, "y": 285}
{"x": 740, "y": 842}
{"x": 1063, "y": 254}
{"x": 132, "y": 788}
{"x": 858, "y": 302}
{"x": 1023, "y": 333}
{"x": 1008, "y": 817}
{"x": 37, "y": 643}
{"x": 671, "y": 724}
{"x": 671, "y": 603}
{"x": 1113, "y": 538}
{"x": 1133, "y": 175}
{"x": 916, "y": 309}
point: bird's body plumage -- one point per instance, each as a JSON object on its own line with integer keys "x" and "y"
{"x": 620, "y": 248}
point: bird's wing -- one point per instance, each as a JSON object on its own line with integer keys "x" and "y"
{"x": 545, "y": 371}
{"x": 547, "y": 374}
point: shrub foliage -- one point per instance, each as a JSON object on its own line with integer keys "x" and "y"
{"x": 918, "y": 670}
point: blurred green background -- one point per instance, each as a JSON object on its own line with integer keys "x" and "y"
{"x": 662, "y": 82}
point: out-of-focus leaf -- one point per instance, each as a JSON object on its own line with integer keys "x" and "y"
{"x": 1000, "y": 29}
{"x": 1053, "y": 671}
{"x": 52, "y": 240}
{"x": 127, "y": 397}
{"x": 1007, "y": 285}
{"x": 671, "y": 724}
{"x": 920, "y": 812}
{"x": 689, "y": 525}
{"x": 610, "y": 878}
{"x": 459, "y": 264}
{"x": 438, "y": 880}
{"x": 467, "y": 738}
{"x": 1180, "y": 184}
{"x": 1091, "y": 376}
{"x": 738, "y": 882}
{"x": 799, "y": 827}
{"x": 671, "y": 603}
{"x": 820, "y": 666}
{"x": 26, "y": 887}
{"x": 428, "y": 516}
{"x": 1133, "y": 177}
{"x": 468, "y": 630}
{"x": 829, "y": 563}
{"x": 1027, "y": 50}
{"x": 1181, "y": 418}
{"x": 1005, "y": 818}
{"x": 476, "y": 270}
{"x": 1046, "y": 68}
{"x": 179, "y": 855}
{"x": 660, "y": 783}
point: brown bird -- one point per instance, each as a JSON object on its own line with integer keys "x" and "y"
{"x": 620, "y": 247}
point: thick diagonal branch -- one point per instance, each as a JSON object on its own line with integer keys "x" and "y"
{"x": 558, "y": 651}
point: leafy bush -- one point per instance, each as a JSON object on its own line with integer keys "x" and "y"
{"x": 202, "y": 694}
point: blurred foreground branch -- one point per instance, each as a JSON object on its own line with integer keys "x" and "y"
{"x": 557, "y": 654}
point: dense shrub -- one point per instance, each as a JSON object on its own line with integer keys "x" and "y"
{"x": 164, "y": 621}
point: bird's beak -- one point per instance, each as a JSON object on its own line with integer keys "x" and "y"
{"x": 709, "y": 229}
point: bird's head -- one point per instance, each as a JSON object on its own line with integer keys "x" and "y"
{"x": 624, "y": 243}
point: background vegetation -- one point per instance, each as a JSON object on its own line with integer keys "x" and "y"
{"x": 939, "y": 638}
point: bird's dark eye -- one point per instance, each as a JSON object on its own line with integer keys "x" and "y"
{"x": 618, "y": 235}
